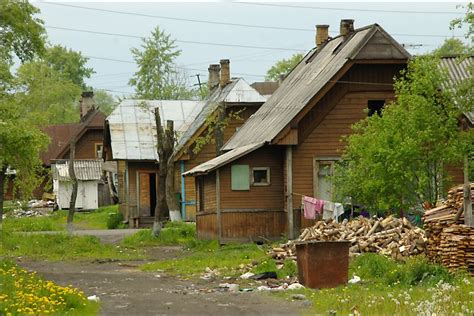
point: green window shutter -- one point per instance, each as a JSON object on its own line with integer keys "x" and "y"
{"x": 240, "y": 177}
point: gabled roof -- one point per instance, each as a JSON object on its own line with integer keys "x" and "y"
{"x": 84, "y": 169}
{"x": 133, "y": 130}
{"x": 307, "y": 79}
{"x": 237, "y": 91}
{"x": 62, "y": 134}
{"x": 459, "y": 69}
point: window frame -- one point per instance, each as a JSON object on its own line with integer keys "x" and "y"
{"x": 252, "y": 180}
{"x": 96, "y": 151}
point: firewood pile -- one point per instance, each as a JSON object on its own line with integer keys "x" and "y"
{"x": 390, "y": 236}
{"x": 449, "y": 241}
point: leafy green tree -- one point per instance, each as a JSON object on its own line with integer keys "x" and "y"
{"x": 157, "y": 76}
{"x": 283, "y": 67}
{"x": 105, "y": 102}
{"x": 47, "y": 92}
{"x": 396, "y": 161}
{"x": 452, "y": 46}
{"x": 467, "y": 20}
{"x": 69, "y": 63}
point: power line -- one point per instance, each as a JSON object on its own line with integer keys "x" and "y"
{"x": 183, "y": 19}
{"x": 349, "y": 9}
{"x": 179, "y": 41}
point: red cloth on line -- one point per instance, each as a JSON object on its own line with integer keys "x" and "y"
{"x": 312, "y": 207}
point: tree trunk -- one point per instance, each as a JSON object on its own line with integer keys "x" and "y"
{"x": 161, "y": 206}
{"x": 2, "y": 191}
{"x": 72, "y": 175}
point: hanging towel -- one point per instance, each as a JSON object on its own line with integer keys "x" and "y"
{"x": 329, "y": 210}
{"x": 339, "y": 210}
{"x": 312, "y": 207}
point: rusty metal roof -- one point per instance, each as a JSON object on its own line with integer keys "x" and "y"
{"x": 237, "y": 91}
{"x": 85, "y": 170}
{"x": 307, "y": 79}
{"x": 459, "y": 69}
{"x": 133, "y": 129}
{"x": 222, "y": 160}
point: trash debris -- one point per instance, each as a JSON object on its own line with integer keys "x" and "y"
{"x": 231, "y": 287}
{"x": 247, "y": 275}
{"x": 295, "y": 286}
{"x": 355, "y": 279}
{"x": 265, "y": 275}
{"x": 93, "y": 298}
{"x": 209, "y": 274}
{"x": 300, "y": 297}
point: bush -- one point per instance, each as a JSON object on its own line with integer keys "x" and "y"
{"x": 115, "y": 221}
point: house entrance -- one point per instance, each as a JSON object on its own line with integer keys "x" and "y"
{"x": 147, "y": 194}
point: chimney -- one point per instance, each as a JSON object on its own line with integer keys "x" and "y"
{"x": 86, "y": 103}
{"x": 281, "y": 77}
{"x": 225, "y": 72}
{"x": 214, "y": 76}
{"x": 322, "y": 34}
{"x": 347, "y": 27}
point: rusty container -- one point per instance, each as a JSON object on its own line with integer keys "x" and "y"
{"x": 322, "y": 264}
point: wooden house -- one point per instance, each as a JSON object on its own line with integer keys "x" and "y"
{"x": 232, "y": 100}
{"x": 130, "y": 141}
{"x": 289, "y": 146}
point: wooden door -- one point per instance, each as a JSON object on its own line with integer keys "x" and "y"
{"x": 144, "y": 194}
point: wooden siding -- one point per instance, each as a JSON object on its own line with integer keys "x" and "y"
{"x": 132, "y": 198}
{"x": 456, "y": 173}
{"x": 206, "y": 226}
{"x": 121, "y": 169}
{"x": 258, "y": 197}
{"x": 210, "y": 193}
{"x": 85, "y": 146}
{"x": 208, "y": 152}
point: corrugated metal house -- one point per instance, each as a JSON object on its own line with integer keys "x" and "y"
{"x": 289, "y": 146}
{"x": 130, "y": 141}
{"x": 88, "y": 174}
{"x": 231, "y": 99}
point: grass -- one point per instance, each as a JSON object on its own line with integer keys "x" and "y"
{"x": 23, "y": 292}
{"x": 177, "y": 233}
{"x": 57, "y": 221}
{"x": 61, "y": 246}
{"x": 390, "y": 288}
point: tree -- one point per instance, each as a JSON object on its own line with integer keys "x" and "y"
{"x": 69, "y": 63}
{"x": 283, "y": 67}
{"x": 396, "y": 161}
{"x": 21, "y": 36}
{"x": 452, "y": 46}
{"x": 105, "y": 102}
{"x": 157, "y": 77}
{"x": 467, "y": 20}
{"x": 47, "y": 92}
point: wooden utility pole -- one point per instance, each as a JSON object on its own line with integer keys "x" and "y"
{"x": 467, "y": 202}
{"x": 3, "y": 172}
{"x": 289, "y": 191}
{"x": 72, "y": 176}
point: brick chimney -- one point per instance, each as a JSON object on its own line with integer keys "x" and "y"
{"x": 322, "y": 34}
{"x": 347, "y": 27}
{"x": 225, "y": 72}
{"x": 214, "y": 76}
{"x": 86, "y": 103}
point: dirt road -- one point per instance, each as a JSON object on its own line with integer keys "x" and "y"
{"x": 125, "y": 290}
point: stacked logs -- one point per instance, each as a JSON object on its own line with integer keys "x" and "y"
{"x": 391, "y": 236}
{"x": 449, "y": 241}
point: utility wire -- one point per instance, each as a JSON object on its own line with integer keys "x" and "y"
{"x": 349, "y": 9}
{"x": 179, "y": 41}
{"x": 267, "y": 26}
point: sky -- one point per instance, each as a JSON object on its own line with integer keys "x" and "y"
{"x": 253, "y": 35}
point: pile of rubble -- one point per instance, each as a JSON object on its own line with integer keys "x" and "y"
{"x": 450, "y": 242}
{"x": 391, "y": 236}
{"x": 34, "y": 208}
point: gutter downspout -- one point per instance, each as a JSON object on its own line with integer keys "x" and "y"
{"x": 183, "y": 193}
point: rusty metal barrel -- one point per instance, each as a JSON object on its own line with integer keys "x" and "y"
{"x": 322, "y": 264}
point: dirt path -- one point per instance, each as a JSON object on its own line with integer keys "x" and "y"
{"x": 124, "y": 290}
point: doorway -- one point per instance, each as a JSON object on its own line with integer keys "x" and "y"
{"x": 147, "y": 193}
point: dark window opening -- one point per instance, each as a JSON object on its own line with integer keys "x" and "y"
{"x": 375, "y": 107}
{"x": 200, "y": 191}
{"x": 261, "y": 176}
{"x": 152, "y": 194}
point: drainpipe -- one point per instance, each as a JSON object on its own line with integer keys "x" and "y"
{"x": 183, "y": 192}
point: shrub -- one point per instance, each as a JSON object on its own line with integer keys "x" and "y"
{"x": 115, "y": 221}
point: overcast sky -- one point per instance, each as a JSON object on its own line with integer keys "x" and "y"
{"x": 256, "y": 48}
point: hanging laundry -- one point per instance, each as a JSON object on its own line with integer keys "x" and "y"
{"x": 339, "y": 210}
{"x": 312, "y": 207}
{"x": 329, "y": 210}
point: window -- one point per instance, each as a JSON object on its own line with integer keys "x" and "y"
{"x": 240, "y": 180}
{"x": 200, "y": 193}
{"x": 260, "y": 176}
{"x": 322, "y": 181}
{"x": 98, "y": 150}
{"x": 375, "y": 107}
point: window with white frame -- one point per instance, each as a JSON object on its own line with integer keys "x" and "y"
{"x": 260, "y": 176}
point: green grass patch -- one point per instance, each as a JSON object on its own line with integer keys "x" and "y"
{"x": 288, "y": 269}
{"x": 177, "y": 233}
{"x": 228, "y": 259}
{"x": 23, "y": 292}
{"x": 415, "y": 287}
{"x": 61, "y": 246}
{"x": 96, "y": 219}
